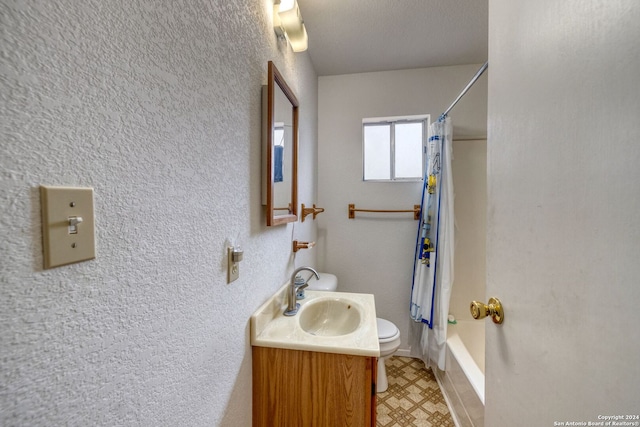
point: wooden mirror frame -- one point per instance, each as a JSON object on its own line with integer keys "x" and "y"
{"x": 273, "y": 218}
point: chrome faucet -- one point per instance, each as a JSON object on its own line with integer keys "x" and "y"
{"x": 292, "y": 306}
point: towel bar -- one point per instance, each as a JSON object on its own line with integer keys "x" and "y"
{"x": 353, "y": 210}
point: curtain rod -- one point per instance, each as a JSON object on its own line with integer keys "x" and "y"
{"x": 464, "y": 91}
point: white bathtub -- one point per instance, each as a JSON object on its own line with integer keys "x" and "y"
{"x": 463, "y": 381}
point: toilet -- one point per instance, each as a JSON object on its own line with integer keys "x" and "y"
{"x": 388, "y": 333}
{"x": 389, "y": 339}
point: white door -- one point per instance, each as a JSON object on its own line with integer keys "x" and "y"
{"x": 563, "y": 238}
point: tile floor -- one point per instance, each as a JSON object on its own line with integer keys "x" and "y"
{"x": 413, "y": 397}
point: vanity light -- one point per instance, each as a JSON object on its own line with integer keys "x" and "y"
{"x": 288, "y": 22}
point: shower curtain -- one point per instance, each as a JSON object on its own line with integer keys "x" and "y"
{"x": 433, "y": 263}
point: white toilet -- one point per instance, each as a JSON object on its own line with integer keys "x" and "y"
{"x": 388, "y": 333}
{"x": 389, "y": 339}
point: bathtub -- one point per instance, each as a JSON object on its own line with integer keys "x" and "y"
{"x": 462, "y": 382}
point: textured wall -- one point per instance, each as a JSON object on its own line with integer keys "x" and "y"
{"x": 373, "y": 253}
{"x": 157, "y": 106}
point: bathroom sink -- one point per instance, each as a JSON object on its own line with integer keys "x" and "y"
{"x": 327, "y": 322}
{"x": 330, "y": 316}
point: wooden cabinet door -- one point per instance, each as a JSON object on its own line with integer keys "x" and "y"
{"x": 302, "y": 388}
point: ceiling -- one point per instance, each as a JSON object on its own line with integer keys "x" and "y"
{"x": 357, "y": 36}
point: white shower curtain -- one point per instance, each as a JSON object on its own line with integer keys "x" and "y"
{"x": 433, "y": 264}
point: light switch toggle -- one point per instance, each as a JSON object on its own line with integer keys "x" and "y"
{"x": 235, "y": 255}
{"x": 73, "y": 224}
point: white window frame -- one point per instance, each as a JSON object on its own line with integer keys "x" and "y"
{"x": 392, "y": 121}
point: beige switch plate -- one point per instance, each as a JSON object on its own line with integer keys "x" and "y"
{"x": 60, "y": 245}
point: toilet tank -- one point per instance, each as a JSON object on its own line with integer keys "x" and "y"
{"x": 327, "y": 282}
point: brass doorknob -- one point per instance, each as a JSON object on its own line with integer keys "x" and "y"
{"x": 494, "y": 309}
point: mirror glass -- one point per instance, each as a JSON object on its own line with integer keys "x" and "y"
{"x": 279, "y": 149}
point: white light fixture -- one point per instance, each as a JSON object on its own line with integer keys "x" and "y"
{"x": 288, "y": 22}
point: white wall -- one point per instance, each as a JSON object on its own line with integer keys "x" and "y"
{"x": 374, "y": 253}
{"x": 564, "y": 197}
{"x": 157, "y": 107}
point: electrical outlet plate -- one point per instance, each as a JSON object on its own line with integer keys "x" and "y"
{"x": 233, "y": 268}
{"x": 65, "y": 242}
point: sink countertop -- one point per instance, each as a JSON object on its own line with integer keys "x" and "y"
{"x": 271, "y": 328}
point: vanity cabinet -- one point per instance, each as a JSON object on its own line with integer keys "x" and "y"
{"x": 306, "y": 388}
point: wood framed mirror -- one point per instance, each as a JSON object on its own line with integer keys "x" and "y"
{"x": 279, "y": 149}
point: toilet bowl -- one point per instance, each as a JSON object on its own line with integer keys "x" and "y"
{"x": 388, "y": 333}
{"x": 389, "y": 339}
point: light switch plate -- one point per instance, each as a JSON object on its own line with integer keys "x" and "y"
{"x": 63, "y": 243}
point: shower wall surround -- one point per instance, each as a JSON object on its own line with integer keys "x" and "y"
{"x": 157, "y": 107}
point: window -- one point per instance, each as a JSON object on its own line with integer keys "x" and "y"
{"x": 278, "y": 151}
{"x": 393, "y": 148}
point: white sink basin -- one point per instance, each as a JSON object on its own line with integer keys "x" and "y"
{"x": 327, "y": 322}
{"x": 330, "y": 317}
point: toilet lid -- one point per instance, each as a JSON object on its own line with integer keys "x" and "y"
{"x": 386, "y": 329}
